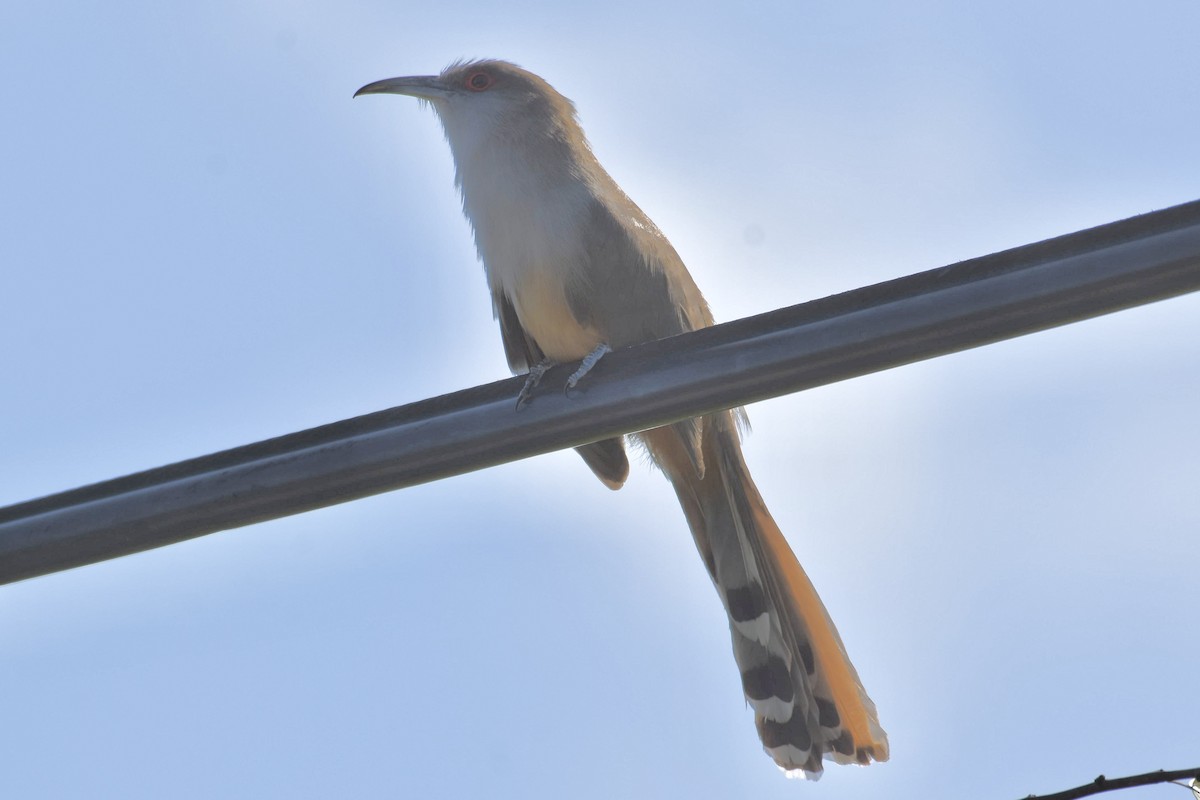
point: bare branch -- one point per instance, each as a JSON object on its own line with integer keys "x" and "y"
{"x": 1103, "y": 784}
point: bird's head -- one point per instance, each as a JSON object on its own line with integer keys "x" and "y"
{"x": 488, "y": 100}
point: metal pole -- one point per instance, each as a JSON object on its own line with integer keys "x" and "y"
{"x": 976, "y": 302}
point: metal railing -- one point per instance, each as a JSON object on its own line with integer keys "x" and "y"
{"x": 976, "y": 302}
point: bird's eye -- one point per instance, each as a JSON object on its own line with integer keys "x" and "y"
{"x": 479, "y": 81}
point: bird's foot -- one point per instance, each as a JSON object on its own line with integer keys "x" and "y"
{"x": 532, "y": 380}
{"x": 585, "y": 366}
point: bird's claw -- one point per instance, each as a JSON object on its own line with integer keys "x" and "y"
{"x": 532, "y": 380}
{"x": 534, "y": 377}
{"x": 585, "y": 366}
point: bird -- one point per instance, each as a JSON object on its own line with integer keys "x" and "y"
{"x": 576, "y": 269}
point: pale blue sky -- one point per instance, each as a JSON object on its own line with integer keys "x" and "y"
{"x": 206, "y": 242}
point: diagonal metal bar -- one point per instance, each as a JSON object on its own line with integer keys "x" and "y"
{"x": 976, "y": 302}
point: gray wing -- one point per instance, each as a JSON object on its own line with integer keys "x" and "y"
{"x": 522, "y": 352}
{"x": 634, "y": 288}
{"x": 607, "y": 457}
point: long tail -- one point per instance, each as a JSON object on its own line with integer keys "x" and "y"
{"x": 808, "y": 701}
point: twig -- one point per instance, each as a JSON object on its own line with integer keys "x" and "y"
{"x": 1103, "y": 784}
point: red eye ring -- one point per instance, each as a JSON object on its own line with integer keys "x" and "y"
{"x": 479, "y": 81}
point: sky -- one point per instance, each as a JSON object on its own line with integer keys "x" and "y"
{"x": 205, "y": 242}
